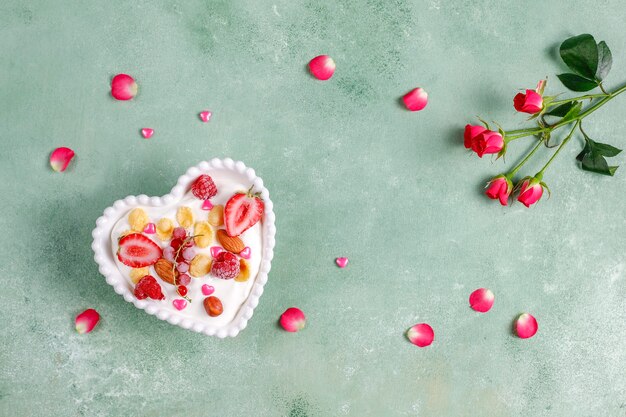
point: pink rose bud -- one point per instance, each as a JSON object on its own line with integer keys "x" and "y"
{"x": 87, "y": 320}
{"x": 499, "y": 188}
{"x": 530, "y": 103}
{"x": 293, "y": 319}
{"x": 482, "y": 140}
{"x": 416, "y": 99}
{"x": 530, "y": 191}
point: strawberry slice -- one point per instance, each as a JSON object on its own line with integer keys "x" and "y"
{"x": 242, "y": 212}
{"x": 138, "y": 251}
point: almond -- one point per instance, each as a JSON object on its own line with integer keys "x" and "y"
{"x": 165, "y": 270}
{"x": 200, "y": 265}
{"x": 216, "y": 216}
{"x": 213, "y": 306}
{"x": 230, "y": 243}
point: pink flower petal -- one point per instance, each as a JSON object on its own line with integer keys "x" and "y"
{"x": 245, "y": 253}
{"x": 481, "y": 300}
{"x": 179, "y": 304}
{"x": 341, "y": 262}
{"x": 421, "y": 334}
{"x": 87, "y": 320}
{"x": 293, "y": 319}
{"x": 526, "y": 326}
{"x": 216, "y": 250}
{"x": 207, "y": 205}
{"x": 322, "y": 67}
{"x": 416, "y": 99}
{"x": 150, "y": 229}
{"x": 146, "y": 132}
{"x": 123, "y": 87}
{"x": 60, "y": 158}
{"x": 207, "y": 289}
{"x": 205, "y": 116}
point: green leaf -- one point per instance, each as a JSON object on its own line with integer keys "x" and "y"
{"x": 593, "y": 156}
{"x": 573, "y": 112}
{"x": 605, "y": 60}
{"x": 606, "y": 150}
{"x": 597, "y": 163}
{"x": 576, "y": 82}
{"x": 561, "y": 110}
{"x": 580, "y": 54}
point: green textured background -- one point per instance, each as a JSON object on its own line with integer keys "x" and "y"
{"x": 350, "y": 173}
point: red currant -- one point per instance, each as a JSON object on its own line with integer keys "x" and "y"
{"x": 182, "y": 290}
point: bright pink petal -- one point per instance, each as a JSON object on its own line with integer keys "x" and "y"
{"x": 123, "y": 87}
{"x": 146, "y": 132}
{"x": 471, "y": 132}
{"x": 322, "y": 67}
{"x": 416, "y": 99}
{"x": 293, "y": 319}
{"x": 526, "y": 326}
{"x": 205, "y": 116}
{"x": 60, "y": 158}
{"x": 481, "y": 300}
{"x": 87, "y": 320}
{"x": 421, "y": 334}
{"x": 341, "y": 262}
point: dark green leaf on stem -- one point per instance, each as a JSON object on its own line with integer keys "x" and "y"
{"x": 576, "y": 82}
{"x": 561, "y": 110}
{"x": 580, "y": 54}
{"x": 573, "y": 112}
{"x": 592, "y": 157}
{"x": 605, "y": 60}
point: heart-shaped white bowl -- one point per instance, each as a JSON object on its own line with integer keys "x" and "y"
{"x": 236, "y": 172}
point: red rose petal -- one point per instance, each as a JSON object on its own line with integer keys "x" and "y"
{"x": 87, "y": 320}
{"x": 205, "y": 116}
{"x": 60, "y": 158}
{"x": 481, "y": 300}
{"x": 123, "y": 87}
{"x": 293, "y": 319}
{"x": 322, "y": 67}
{"x": 146, "y": 132}
{"x": 416, "y": 99}
{"x": 526, "y": 326}
{"x": 421, "y": 334}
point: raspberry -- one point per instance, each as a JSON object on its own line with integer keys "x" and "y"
{"x": 225, "y": 266}
{"x": 148, "y": 287}
{"x": 204, "y": 187}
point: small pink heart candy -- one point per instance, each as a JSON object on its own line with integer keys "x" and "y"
{"x": 207, "y": 205}
{"x": 216, "y": 250}
{"x": 146, "y": 132}
{"x": 205, "y": 115}
{"x": 341, "y": 262}
{"x": 179, "y": 304}
{"x": 150, "y": 229}
{"x": 207, "y": 289}
{"x": 245, "y": 253}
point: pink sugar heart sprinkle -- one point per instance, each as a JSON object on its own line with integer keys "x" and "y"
{"x": 421, "y": 335}
{"x": 147, "y": 133}
{"x": 216, "y": 250}
{"x": 481, "y": 300}
{"x": 179, "y": 304}
{"x": 245, "y": 253}
{"x": 207, "y": 289}
{"x": 150, "y": 229}
{"x": 60, "y": 158}
{"x": 207, "y": 205}
{"x": 205, "y": 115}
{"x": 341, "y": 262}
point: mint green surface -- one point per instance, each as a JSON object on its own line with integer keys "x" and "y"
{"x": 351, "y": 173}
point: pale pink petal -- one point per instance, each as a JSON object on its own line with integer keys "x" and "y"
{"x": 87, "y": 320}
{"x": 341, "y": 262}
{"x": 146, "y": 132}
{"x": 293, "y": 319}
{"x": 481, "y": 300}
{"x": 322, "y": 67}
{"x": 123, "y": 87}
{"x": 526, "y": 326}
{"x": 421, "y": 334}
{"x": 60, "y": 158}
{"x": 205, "y": 116}
{"x": 416, "y": 99}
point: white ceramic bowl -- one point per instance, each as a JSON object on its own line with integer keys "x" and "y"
{"x": 104, "y": 256}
